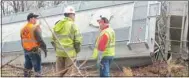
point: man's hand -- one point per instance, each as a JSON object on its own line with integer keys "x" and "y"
{"x": 53, "y": 44}
{"x": 99, "y": 58}
{"x": 45, "y": 51}
{"x": 77, "y": 47}
{"x": 98, "y": 65}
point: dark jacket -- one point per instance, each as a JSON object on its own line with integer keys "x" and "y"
{"x": 38, "y": 36}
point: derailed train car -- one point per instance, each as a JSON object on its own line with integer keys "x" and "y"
{"x": 134, "y": 24}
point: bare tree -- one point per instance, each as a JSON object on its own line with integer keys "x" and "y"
{"x": 12, "y": 7}
{"x": 40, "y": 4}
{"x": 15, "y": 6}
{"x": 22, "y": 5}
{"x": 28, "y": 5}
{"x": 9, "y": 7}
{"x": 3, "y": 7}
{"x": 56, "y": 2}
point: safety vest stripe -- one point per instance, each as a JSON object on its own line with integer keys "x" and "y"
{"x": 62, "y": 36}
{"x": 110, "y": 41}
{"x": 67, "y": 49}
{"x": 26, "y": 40}
{"x": 67, "y": 36}
{"x": 108, "y": 46}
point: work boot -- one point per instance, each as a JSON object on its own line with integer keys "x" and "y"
{"x": 37, "y": 74}
{"x": 27, "y": 73}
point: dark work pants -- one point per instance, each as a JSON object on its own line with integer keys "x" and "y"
{"x": 32, "y": 59}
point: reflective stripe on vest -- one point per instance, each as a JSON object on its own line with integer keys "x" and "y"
{"x": 110, "y": 46}
{"x": 60, "y": 36}
{"x": 26, "y": 40}
{"x": 67, "y": 49}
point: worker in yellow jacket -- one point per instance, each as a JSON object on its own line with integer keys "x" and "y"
{"x": 70, "y": 38}
{"x": 104, "y": 50}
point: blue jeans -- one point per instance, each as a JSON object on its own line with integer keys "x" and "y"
{"x": 32, "y": 59}
{"x": 105, "y": 67}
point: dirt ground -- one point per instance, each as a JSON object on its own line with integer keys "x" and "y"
{"x": 162, "y": 69}
{"x": 156, "y": 69}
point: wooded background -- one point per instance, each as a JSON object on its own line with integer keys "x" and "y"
{"x": 11, "y": 7}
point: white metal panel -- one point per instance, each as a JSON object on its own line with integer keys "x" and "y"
{"x": 122, "y": 16}
{"x": 140, "y": 12}
{"x": 153, "y": 2}
{"x": 151, "y": 34}
{"x": 154, "y": 9}
{"x": 138, "y": 29}
{"x": 11, "y": 32}
{"x": 121, "y": 22}
{"x": 176, "y": 7}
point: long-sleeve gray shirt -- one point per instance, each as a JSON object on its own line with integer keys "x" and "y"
{"x": 38, "y": 36}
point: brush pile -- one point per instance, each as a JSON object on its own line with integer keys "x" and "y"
{"x": 156, "y": 69}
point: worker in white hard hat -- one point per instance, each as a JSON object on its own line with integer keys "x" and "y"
{"x": 70, "y": 38}
{"x": 104, "y": 50}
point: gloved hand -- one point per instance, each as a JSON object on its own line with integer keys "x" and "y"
{"x": 45, "y": 51}
{"x": 53, "y": 44}
{"x": 97, "y": 65}
{"x": 35, "y": 49}
{"x": 99, "y": 58}
{"x": 77, "y": 47}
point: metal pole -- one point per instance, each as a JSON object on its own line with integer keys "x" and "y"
{"x": 182, "y": 28}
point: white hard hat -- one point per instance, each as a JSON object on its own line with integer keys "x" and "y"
{"x": 104, "y": 13}
{"x": 99, "y": 14}
{"x": 69, "y": 9}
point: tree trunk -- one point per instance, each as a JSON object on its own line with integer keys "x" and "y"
{"x": 22, "y": 5}
{"x": 3, "y": 9}
{"x": 57, "y": 2}
{"x": 40, "y": 4}
{"x": 15, "y": 6}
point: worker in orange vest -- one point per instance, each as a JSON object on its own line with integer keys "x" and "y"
{"x": 31, "y": 42}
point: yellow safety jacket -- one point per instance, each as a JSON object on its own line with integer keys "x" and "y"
{"x": 110, "y": 46}
{"x": 67, "y": 33}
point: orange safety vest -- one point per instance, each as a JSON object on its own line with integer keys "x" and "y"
{"x": 28, "y": 38}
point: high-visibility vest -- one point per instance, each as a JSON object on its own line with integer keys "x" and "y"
{"x": 110, "y": 46}
{"x": 28, "y": 38}
{"x": 67, "y": 32}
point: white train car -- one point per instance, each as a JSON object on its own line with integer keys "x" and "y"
{"x": 133, "y": 22}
